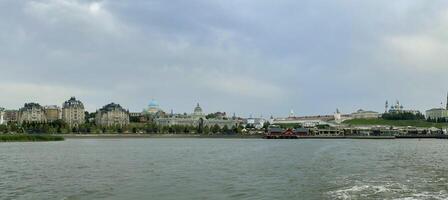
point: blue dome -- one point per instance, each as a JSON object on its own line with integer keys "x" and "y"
{"x": 153, "y": 103}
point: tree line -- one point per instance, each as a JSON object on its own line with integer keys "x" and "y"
{"x": 60, "y": 127}
{"x": 403, "y": 116}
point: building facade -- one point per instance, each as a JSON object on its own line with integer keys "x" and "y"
{"x": 153, "y": 108}
{"x": 257, "y": 123}
{"x": 399, "y": 108}
{"x": 11, "y": 116}
{"x": 73, "y": 112}
{"x": 112, "y": 115}
{"x": 437, "y": 113}
{"x": 195, "y": 119}
{"x": 364, "y": 114}
{"x": 32, "y": 113}
{"x": 52, "y": 113}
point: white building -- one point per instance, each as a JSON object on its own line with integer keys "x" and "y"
{"x": 195, "y": 119}
{"x": 73, "y": 112}
{"x": 32, "y": 113}
{"x": 257, "y": 123}
{"x": 363, "y": 114}
{"x": 112, "y": 115}
{"x": 2, "y": 116}
{"x": 437, "y": 113}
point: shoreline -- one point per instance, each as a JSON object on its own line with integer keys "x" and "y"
{"x": 105, "y": 136}
{"x": 177, "y": 136}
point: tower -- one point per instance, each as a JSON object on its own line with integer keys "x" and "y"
{"x": 337, "y": 116}
{"x": 446, "y": 101}
{"x": 291, "y": 113}
{"x": 386, "y": 106}
{"x": 2, "y": 121}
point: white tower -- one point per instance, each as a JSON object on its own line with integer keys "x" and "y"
{"x": 2, "y": 113}
{"x": 337, "y": 116}
{"x": 291, "y": 113}
{"x": 386, "y": 107}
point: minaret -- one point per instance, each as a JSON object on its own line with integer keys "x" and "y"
{"x": 447, "y": 101}
{"x": 386, "y": 106}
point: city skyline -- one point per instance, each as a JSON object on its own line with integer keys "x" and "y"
{"x": 260, "y": 58}
{"x": 154, "y": 106}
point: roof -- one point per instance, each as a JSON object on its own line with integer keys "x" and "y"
{"x": 361, "y": 111}
{"x": 73, "y": 102}
{"x": 112, "y": 107}
{"x": 153, "y": 103}
{"x": 32, "y": 105}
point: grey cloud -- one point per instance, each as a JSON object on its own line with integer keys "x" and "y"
{"x": 311, "y": 56}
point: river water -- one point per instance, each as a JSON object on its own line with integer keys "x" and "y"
{"x": 224, "y": 169}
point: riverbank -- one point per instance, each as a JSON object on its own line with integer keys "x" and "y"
{"x": 30, "y": 138}
{"x": 100, "y": 136}
{"x": 394, "y": 123}
{"x": 358, "y": 137}
{"x": 174, "y": 136}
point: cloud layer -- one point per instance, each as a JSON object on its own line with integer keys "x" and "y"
{"x": 250, "y": 57}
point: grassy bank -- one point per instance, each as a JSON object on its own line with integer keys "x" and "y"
{"x": 415, "y": 123}
{"x": 30, "y": 138}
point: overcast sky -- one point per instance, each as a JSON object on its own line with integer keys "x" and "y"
{"x": 255, "y": 57}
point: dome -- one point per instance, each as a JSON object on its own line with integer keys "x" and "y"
{"x": 198, "y": 109}
{"x": 153, "y": 107}
{"x": 153, "y": 103}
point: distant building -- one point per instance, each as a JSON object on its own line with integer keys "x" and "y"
{"x": 438, "y": 113}
{"x": 135, "y": 114}
{"x": 153, "y": 108}
{"x": 2, "y": 116}
{"x": 363, "y": 114}
{"x": 11, "y": 116}
{"x": 198, "y": 112}
{"x": 73, "y": 112}
{"x": 112, "y": 115}
{"x": 398, "y": 108}
{"x": 257, "y": 123}
{"x": 337, "y": 116}
{"x": 52, "y": 113}
{"x": 32, "y": 112}
{"x": 195, "y": 119}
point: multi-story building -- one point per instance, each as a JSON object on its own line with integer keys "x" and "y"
{"x": 73, "y": 112}
{"x": 11, "y": 116}
{"x": 257, "y": 123}
{"x": 438, "y": 113}
{"x": 112, "y": 115}
{"x": 32, "y": 112}
{"x": 364, "y": 114}
{"x": 52, "y": 113}
{"x": 195, "y": 119}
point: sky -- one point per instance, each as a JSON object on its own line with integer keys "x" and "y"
{"x": 249, "y": 57}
